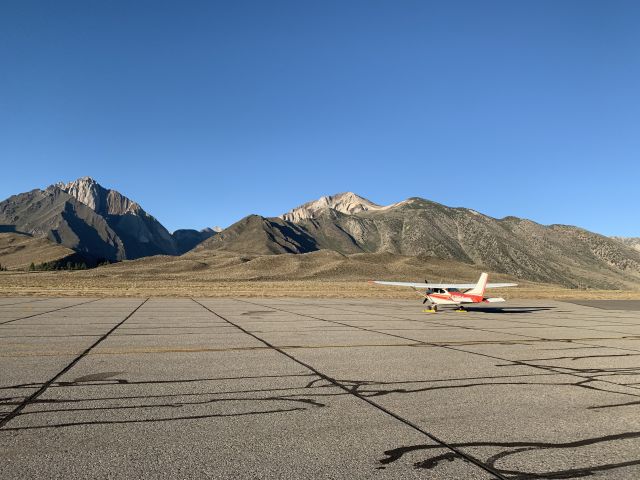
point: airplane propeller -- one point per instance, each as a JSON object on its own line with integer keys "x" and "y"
{"x": 425, "y": 298}
{"x": 429, "y": 290}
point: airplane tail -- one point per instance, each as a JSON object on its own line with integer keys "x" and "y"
{"x": 480, "y": 286}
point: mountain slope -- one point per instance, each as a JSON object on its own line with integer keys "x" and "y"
{"x": 560, "y": 254}
{"x": 18, "y": 250}
{"x": 349, "y": 224}
{"x": 141, "y": 234}
{"x": 261, "y": 236}
{"x": 59, "y": 217}
{"x": 633, "y": 242}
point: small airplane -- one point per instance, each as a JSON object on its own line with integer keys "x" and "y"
{"x": 452, "y": 293}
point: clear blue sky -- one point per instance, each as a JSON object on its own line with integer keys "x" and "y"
{"x": 207, "y": 111}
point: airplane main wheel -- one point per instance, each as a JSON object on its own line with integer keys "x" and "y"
{"x": 435, "y": 307}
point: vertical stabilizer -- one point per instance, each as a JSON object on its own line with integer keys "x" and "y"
{"x": 480, "y": 286}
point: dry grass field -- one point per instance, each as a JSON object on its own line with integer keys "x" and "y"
{"x": 68, "y": 284}
{"x": 320, "y": 274}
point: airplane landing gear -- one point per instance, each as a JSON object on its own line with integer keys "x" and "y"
{"x": 432, "y": 309}
{"x": 461, "y": 309}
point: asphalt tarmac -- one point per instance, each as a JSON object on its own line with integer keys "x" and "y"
{"x": 310, "y": 388}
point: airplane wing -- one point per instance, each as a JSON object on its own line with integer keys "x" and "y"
{"x": 459, "y": 286}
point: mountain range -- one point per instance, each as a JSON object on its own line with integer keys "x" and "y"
{"x": 349, "y": 224}
{"x": 97, "y": 223}
{"x": 100, "y": 223}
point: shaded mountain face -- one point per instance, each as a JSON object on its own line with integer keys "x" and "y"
{"x": 349, "y": 224}
{"x": 59, "y": 217}
{"x": 261, "y": 236}
{"x": 141, "y": 234}
{"x": 186, "y": 239}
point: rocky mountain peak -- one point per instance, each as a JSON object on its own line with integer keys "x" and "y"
{"x": 141, "y": 234}
{"x": 347, "y": 202}
{"x": 102, "y": 200}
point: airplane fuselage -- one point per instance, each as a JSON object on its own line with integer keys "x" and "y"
{"x": 453, "y": 298}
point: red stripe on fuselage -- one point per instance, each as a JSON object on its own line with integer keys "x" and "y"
{"x": 458, "y": 297}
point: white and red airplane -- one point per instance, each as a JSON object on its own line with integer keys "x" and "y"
{"x": 453, "y": 293}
